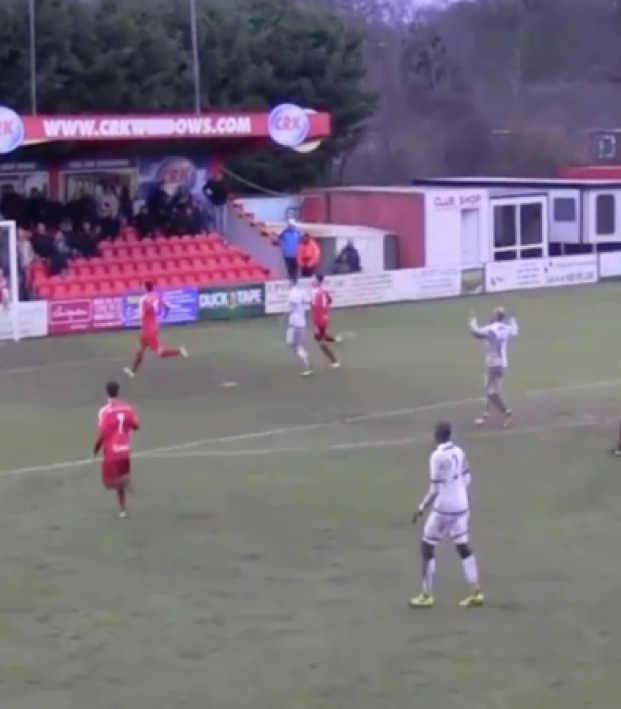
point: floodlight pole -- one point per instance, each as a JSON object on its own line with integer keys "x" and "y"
{"x": 32, "y": 55}
{"x": 196, "y": 68}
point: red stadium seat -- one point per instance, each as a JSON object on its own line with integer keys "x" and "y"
{"x": 143, "y": 270}
{"x": 204, "y": 247}
{"x": 114, "y": 270}
{"x": 176, "y": 261}
{"x": 192, "y": 249}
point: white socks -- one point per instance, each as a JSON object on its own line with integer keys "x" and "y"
{"x": 303, "y": 355}
{"x": 429, "y": 571}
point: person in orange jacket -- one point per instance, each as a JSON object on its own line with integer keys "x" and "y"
{"x": 309, "y": 255}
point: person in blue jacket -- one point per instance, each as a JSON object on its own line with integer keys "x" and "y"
{"x": 289, "y": 241}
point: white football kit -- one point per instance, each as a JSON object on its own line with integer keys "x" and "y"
{"x": 449, "y": 489}
{"x": 496, "y": 336}
{"x": 298, "y": 304}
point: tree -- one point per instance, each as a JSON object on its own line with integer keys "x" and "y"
{"x": 134, "y": 55}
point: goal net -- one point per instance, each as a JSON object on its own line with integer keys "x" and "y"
{"x": 9, "y": 282}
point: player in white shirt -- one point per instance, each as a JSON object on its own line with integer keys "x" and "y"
{"x": 448, "y": 502}
{"x": 496, "y": 335}
{"x": 298, "y": 303}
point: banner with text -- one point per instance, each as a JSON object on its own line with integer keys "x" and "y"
{"x": 182, "y": 303}
{"x": 375, "y": 288}
{"x": 610, "y": 266}
{"x": 541, "y": 273}
{"x": 84, "y": 315}
{"x": 32, "y": 321}
{"x": 231, "y": 302}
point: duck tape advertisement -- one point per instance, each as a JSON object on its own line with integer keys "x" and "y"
{"x": 231, "y": 302}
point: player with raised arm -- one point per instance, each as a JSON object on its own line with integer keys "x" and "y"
{"x": 321, "y": 302}
{"x": 448, "y": 502}
{"x": 496, "y": 335}
{"x": 150, "y": 307}
{"x": 117, "y": 420}
{"x": 297, "y": 304}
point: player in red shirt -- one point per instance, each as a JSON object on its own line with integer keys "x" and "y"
{"x": 320, "y": 310}
{"x": 151, "y": 305}
{"x": 116, "y": 422}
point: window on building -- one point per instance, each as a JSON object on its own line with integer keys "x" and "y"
{"x": 605, "y": 215}
{"x": 531, "y": 224}
{"x": 564, "y": 209}
{"x": 505, "y": 226}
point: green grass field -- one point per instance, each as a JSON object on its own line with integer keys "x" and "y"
{"x": 269, "y": 556}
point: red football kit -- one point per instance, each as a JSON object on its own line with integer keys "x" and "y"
{"x": 321, "y": 302}
{"x": 320, "y": 309}
{"x": 116, "y": 422}
{"x": 150, "y": 307}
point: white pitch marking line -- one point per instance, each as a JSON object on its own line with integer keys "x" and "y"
{"x": 585, "y": 422}
{"x": 267, "y": 433}
{"x": 88, "y": 361}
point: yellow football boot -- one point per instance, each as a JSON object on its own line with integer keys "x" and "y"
{"x": 473, "y": 600}
{"x": 423, "y": 600}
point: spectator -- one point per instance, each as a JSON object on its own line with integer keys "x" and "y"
{"x": 126, "y": 205}
{"x": 145, "y": 224}
{"x": 81, "y": 208}
{"x": 158, "y": 205}
{"x": 61, "y": 253}
{"x": 217, "y": 194}
{"x": 82, "y": 239}
{"x": 25, "y": 251}
{"x": 348, "y": 260}
{"x": 41, "y": 242}
{"x": 309, "y": 255}
{"x": 25, "y": 257}
{"x": 195, "y": 218}
{"x": 11, "y": 204}
{"x": 289, "y": 240}
{"x": 108, "y": 212}
{"x": 35, "y": 208}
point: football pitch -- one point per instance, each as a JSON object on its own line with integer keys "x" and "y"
{"x": 269, "y": 555}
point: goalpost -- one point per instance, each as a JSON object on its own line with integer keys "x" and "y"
{"x": 9, "y": 280}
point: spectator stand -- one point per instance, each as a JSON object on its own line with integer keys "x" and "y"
{"x": 107, "y": 233}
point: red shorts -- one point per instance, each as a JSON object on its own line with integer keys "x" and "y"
{"x": 321, "y": 331}
{"x": 115, "y": 471}
{"x": 150, "y": 340}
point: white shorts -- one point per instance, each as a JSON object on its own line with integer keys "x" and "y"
{"x": 494, "y": 377}
{"x": 295, "y": 336}
{"x": 441, "y": 525}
